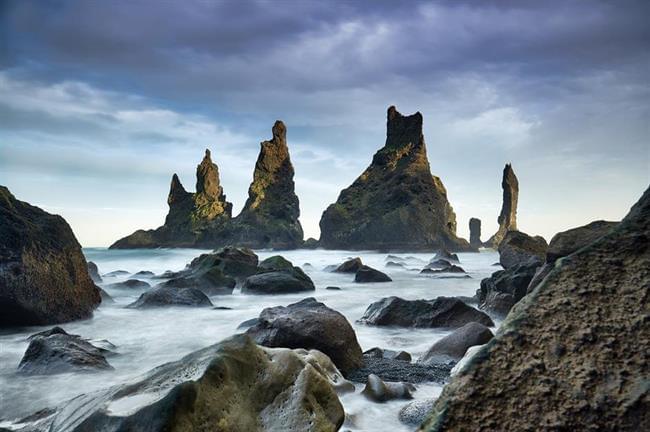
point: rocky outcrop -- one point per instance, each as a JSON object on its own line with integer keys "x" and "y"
{"x": 309, "y": 324}
{"x": 395, "y": 204}
{"x": 269, "y": 218}
{"x": 507, "y": 219}
{"x": 567, "y": 242}
{"x": 367, "y": 274}
{"x": 518, "y": 248}
{"x": 193, "y": 218}
{"x": 573, "y": 354}
{"x": 454, "y": 346}
{"x": 56, "y": 351}
{"x": 164, "y": 296}
{"x": 475, "y": 233}
{"x": 234, "y": 385}
{"x": 43, "y": 274}
{"x": 444, "y": 312}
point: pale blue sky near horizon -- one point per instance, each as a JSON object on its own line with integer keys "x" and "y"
{"x": 101, "y": 102}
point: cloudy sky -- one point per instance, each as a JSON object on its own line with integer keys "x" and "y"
{"x": 100, "y": 102}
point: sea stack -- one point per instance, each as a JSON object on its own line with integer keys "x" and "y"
{"x": 475, "y": 232}
{"x": 269, "y": 218}
{"x": 396, "y": 203}
{"x": 43, "y": 274}
{"x": 508, "y": 217}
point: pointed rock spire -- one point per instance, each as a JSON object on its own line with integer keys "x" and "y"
{"x": 508, "y": 217}
{"x": 209, "y": 199}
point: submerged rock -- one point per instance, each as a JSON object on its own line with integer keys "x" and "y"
{"x": 368, "y": 274}
{"x": 43, "y": 274}
{"x": 144, "y": 273}
{"x": 507, "y": 219}
{"x": 444, "y": 254}
{"x": 518, "y": 248}
{"x": 445, "y": 312}
{"x": 395, "y": 203}
{"x": 93, "y": 272}
{"x": 350, "y": 266}
{"x": 475, "y": 233}
{"x": 129, "y": 284}
{"x": 55, "y": 351}
{"x": 573, "y": 354}
{"x": 116, "y": 273}
{"x": 449, "y": 269}
{"x": 454, "y": 346}
{"x": 164, "y": 296}
{"x": 234, "y": 385}
{"x": 311, "y": 325}
{"x": 379, "y": 391}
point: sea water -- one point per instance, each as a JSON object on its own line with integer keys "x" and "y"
{"x": 147, "y": 338}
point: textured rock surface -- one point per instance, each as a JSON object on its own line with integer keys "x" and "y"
{"x": 454, "y": 346}
{"x": 367, "y": 274}
{"x": 519, "y": 248}
{"x": 475, "y": 232}
{"x": 269, "y": 218}
{"x": 573, "y": 354}
{"x": 567, "y": 242}
{"x": 445, "y": 312}
{"x": 234, "y": 385}
{"x": 399, "y": 370}
{"x": 499, "y": 293}
{"x": 311, "y": 325}
{"x": 395, "y": 203}
{"x": 43, "y": 274}
{"x": 507, "y": 219}
{"x": 163, "y": 296}
{"x": 56, "y": 351}
{"x": 415, "y": 412}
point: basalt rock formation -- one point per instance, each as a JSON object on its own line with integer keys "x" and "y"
{"x": 269, "y": 218}
{"x": 475, "y": 232}
{"x": 508, "y": 217}
{"x": 192, "y": 217}
{"x": 573, "y": 353}
{"x": 43, "y": 274}
{"x": 395, "y": 204}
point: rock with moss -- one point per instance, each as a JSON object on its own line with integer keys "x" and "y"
{"x": 573, "y": 353}
{"x": 507, "y": 219}
{"x": 43, "y": 274}
{"x": 395, "y": 204}
{"x": 234, "y": 385}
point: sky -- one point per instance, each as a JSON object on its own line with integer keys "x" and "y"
{"x": 101, "y": 102}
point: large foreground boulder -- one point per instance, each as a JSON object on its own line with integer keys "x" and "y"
{"x": 234, "y": 385}
{"x": 43, "y": 274}
{"x": 164, "y": 296}
{"x": 518, "y": 248}
{"x": 573, "y": 354}
{"x": 444, "y": 312}
{"x": 309, "y": 324}
{"x": 454, "y": 346}
{"x": 499, "y": 293}
{"x": 56, "y": 351}
{"x": 395, "y": 204}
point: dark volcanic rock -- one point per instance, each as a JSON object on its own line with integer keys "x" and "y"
{"x": 395, "y": 204}
{"x": 311, "y": 325}
{"x": 369, "y": 274}
{"x": 438, "y": 264}
{"x": 395, "y": 264}
{"x": 350, "y": 266}
{"x": 475, "y": 233}
{"x": 377, "y": 352}
{"x": 567, "y": 242}
{"x": 507, "y": 219}
{"x": 269, "y": 218}
{"x": 379, "y": 391}
{"x": 446, "y": 312}
{"x": 163, "y": 296}
{"x": 449, "y": 269}
{"x": 399, "y": 370}
{"x": 310, "y": 243}
{"x": 573, "y": 354}
{"x": 144, "y": 273}
{"x": 445, "y": 255}
{"x": 116, "y": 273}
{"x": 454, "y": 346}
{"x": 277, "y": 275}
{"x": 130, "y": 284}
{"x": 93, "y": 272}
{"x": 43, "y": 274}
{"x": 56, "y": 351}
{"x": 234, "y": 385}
{"x": 518, "y": 248}
{"x": 504, "y": 288}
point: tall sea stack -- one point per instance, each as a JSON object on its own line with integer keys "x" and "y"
{"x": 395, "y": 204}
{"x": 508, "y": 217}
{"x": 475, "y": 232}
{"x": 269, "y": 218}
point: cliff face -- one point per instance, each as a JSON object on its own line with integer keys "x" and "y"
{"x": 395, "y": 203}
{"x": 508, "y": 217}
{"x": 43, "y": 274}
{"x": 573, "y": 353}
{"x": 270, "y": 215}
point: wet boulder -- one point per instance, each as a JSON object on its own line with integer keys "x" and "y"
{"x": 504, "y": 288}
{"x": 415, "y": 412}
{"x": 164, "y": 296}
{"x": 377, "y": 352}
{"x": 130, "y": 284}
{"x": 444, "y": 312}
{"x": 368, "y": 274}
{"x": 449, "y": 269}
{"x": 350, "y": 266}
{"x": 55, "y": 351}
{"x": 234, "y": 385}
{"x": 276, "y": 275}
{"x": 444, "y": 254}
{"x": 454, "y": 346}
{"x": 437, "y": 264}
{"x": 93, "y": 272}
{"x": 518, "y": 248}
{"x": 379, "y": 391}
{"x": 309, "y": 324}
{"x": 206, "y": 272}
